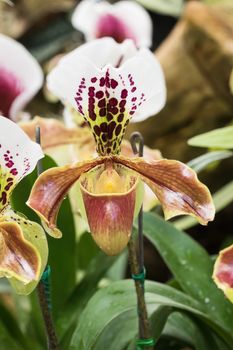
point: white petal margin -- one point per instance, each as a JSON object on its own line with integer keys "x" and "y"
{"x": 18, "y": 61}
{"x": 148, "y": 73}
{"x": 18, "y": 154}
{"x": 145, "y": 69}
{"x": 102, "y": 52}
{"x": 88, "y": 12}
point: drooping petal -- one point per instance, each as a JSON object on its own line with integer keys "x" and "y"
{"x": 23, "y": 251}
{"x": 109, "y": 196}
{"x": 109, "y": 97}
{"x": 223, "y": 272}
{"x": 20, "y": 77}
{"x": 18, "y": 157}
{"x": 176, "y": 186}
{"x": 123, "y": 20}
{"x": 51, "y": 188}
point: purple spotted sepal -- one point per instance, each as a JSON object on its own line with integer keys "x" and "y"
{"x": 18, "y": 157}
{"x": 107, "y": 101}
{"x": 109, "y": 84}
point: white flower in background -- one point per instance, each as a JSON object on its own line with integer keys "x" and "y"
{"x": 102, "y": 57}
{"x": 122, "y": 20}
{"x": 20, "y": 77}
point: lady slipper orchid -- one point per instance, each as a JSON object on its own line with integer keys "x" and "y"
{"x": 223, "y": 272}
{"x": 108, "y": 97}
{"x": 67, "y": 145}
{"x": 20, "y": 77}
{"x": 122, "y": 20}
{"x": 23, "y": 245}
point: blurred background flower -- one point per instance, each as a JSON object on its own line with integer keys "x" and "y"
{"x": 21, "y": 77}
{"x": 120, "y": 21}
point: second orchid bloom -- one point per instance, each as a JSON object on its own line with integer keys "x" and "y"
{"x": 23, "y": 244}
{"x": 123, "y": 84}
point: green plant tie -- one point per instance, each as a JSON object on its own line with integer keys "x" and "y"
{"x": 46, "y": 274}
{"x": 145, "y": 343}
{"x": 140, "y": 276}
{"x": 45, "y": 280}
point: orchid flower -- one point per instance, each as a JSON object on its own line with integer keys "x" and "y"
{"x": 20, "y": 77}
{"x": 110, "y": 184}
{"x": 122, "y": 20}
{"x": 67, "y": 145}
{"x": 223, "y": 272}
{"x": 23, "y": 245}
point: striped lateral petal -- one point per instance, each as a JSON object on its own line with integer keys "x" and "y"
{"x": 51, "y": 188}
{"x": 176, "y": 186}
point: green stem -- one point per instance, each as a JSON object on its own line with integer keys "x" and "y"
{"x": 47, "y": 317}
{"x": 144, "y": 325}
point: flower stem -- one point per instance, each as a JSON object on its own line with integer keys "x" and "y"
{"x": 144, "y": 326}
{"x": 43, "y": 288}
{"x": 47, "y": 317}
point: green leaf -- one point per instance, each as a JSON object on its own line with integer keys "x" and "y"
{"x": 61, "y": 252}
{"x": 119, "y": 332}
{"x": 6, "y": 340}
{"x": 118, "y": 269}
{"x": 10, "y": 332}
{"x": 192, "y": 331}
{"x": 69, "y": 315}
{"x": 86, "y": 250}
{"x": 168, "y": 7}
{"x": 112, "y": 302}
{"x": 200, "y": 163}
{"x": 221, "y": 199}
{"x": 190, "y": 265}
{"x": 219, "y": 138}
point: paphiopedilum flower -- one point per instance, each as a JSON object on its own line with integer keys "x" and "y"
{"x": 20, "y": 77}
{"x": 223, "y": 272}
{"x": 67, "y": 145}
{"x": 122, "y": 20}
{"x": 108, "y": 97}
{"x": 23, "y": 245}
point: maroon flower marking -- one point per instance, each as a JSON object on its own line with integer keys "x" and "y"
{"x": 109, "y": 99}
{"x": 109, "y": 25}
